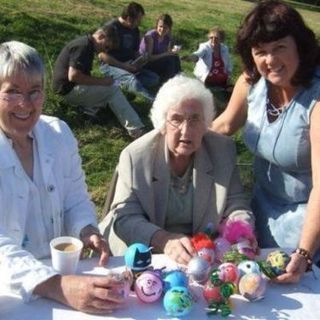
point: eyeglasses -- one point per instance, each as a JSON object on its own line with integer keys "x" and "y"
{"x": 18, "y": 98}
{"x": 193, "y": 121}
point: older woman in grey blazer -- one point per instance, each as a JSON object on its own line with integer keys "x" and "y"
{"x": 176, "y": 179}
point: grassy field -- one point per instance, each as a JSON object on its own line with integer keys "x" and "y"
{"x": 49, "y": 24}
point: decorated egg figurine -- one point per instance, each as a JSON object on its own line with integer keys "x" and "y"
{"x": 212, "y": 293}
{"x": 199, "y": 269}
{"x": 126, "y": 278}
{"x": 228, "y": 272}
{"x": 175, "y": 278}
{"x": 248, "y": 266}
{"x": 148, "y": 286}
{"x": 278, "y": 260}
{"x": 252, "y": 286}
{"x": 222, "y": 246}
{"x": 204, "y": 246}
{"x": 178, "y": 301}
{"x": 138, "y": 257}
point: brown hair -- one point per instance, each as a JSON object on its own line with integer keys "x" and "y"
{"x": 132, "y": 10}
{"x": 166, "y": 19}
{"x": 271, "y": 20}
{"x": 112, "y": 35}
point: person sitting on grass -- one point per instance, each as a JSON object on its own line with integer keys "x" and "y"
{"x": 43, "y": 194}
{"x": 213, "y": 61}
{"x": 157, "y": 44}
{"x": 72, "y": 80}
{"x": 118, "y": 62}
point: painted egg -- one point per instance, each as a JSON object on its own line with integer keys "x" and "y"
{"x": 228, "y": 272}
{"x": 245, "y": 247}
{"x": 207, "y": 254}
{"x": 138, "y": 257}
{"x": 222, "y": 246}
{"x": 278, "y": 260}
{"x": 126, "y": 278}
{"x": 248, "y": 266}
{"x": 252, "y": 286}
{"x": 212, "y": 293}
{"x": 199, "y": 269}
{"x": 175, "y": 278}
{"x": 178, "y": 301}
{"x": 148, "y": 287}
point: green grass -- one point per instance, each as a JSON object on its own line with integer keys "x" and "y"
{"x": 49, "y": 24}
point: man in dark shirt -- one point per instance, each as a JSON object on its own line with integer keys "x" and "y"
{"x": 73, "y": 80}
{"x": 117, "y": 62}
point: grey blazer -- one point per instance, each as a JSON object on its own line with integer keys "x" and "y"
{"x": 139, "y": 205}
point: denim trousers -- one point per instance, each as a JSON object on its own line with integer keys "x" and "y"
{"x": 136, "y": 83}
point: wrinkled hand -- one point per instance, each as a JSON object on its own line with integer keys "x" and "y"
{"x": 90, "y": 294}
{"x": 179, "y": 248}
{"x": 98, "y": 244}
{"x": 294, "y": 271}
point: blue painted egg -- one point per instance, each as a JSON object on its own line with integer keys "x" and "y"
{"x": 175, "y": 278}
{"x": 138, "y": 257}
{"x": 178, "y": 301}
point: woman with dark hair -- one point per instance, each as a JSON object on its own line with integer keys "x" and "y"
{"x": 157, "y": 44}
{"x": 277, "y": 100}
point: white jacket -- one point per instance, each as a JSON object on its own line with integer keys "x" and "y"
{"x": 203, "y": 65}
{"x": 72, "y": 209}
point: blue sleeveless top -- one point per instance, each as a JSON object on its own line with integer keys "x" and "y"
{"x": 282, "y": 165}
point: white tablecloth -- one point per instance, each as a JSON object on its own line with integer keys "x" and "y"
{"x": 282, "y": 302}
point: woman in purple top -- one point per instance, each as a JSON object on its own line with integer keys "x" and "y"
{"x": 157, "y": 45}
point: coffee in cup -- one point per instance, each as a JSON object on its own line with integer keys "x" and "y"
{"x": 66, "y": 247}
{"x": 65, "y": 254}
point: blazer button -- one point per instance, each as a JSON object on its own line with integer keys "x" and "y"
{"x": 51, "y": 188}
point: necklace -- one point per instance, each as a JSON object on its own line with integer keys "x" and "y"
{"x": 274, "y": 111}
{"x": 181, "y": 184}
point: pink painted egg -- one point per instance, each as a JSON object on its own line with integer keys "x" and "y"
{"x": 228, "y": 272}
{"x": 148, "y": 287}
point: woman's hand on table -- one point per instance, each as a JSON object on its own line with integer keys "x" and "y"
{"x": 90, "y": 294}
{"x": 180, "y": 249}
{"x": 294, "y": 271}
{"x": 176, "y": 246}
{"x": 91, "y": 238}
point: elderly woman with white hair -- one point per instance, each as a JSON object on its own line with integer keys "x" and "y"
{"x": 43, "y": 193}
{"x": 177, "y": 179}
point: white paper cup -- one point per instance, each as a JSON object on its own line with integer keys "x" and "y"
{"x": 65, "y": 254}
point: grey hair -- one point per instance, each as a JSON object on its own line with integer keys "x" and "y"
{"x": 17, "y": 57}
{"x": 176, "y": 90}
